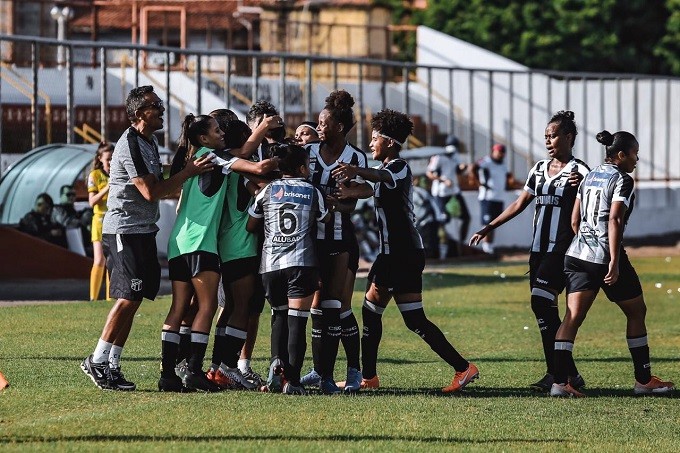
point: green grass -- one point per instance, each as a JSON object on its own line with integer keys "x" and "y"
{"x": 52, "y": 405}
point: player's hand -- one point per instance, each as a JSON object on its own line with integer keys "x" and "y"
{"x": 271, "y": 122}
{"x": 575, "y": 178}
{"x": 478, "y": 236}
{"x": 447, "y": 182}
{"x": 269, "y": 165}
{"x": 342, "y": 192}
{"x": 344, "y": 172}
{"x": 197, "y": 166}
{"x": 612, "y": 275}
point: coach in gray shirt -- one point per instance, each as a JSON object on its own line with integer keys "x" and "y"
{"x": 129, "y": 234}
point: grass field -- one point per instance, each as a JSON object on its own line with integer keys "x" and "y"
{"x": 483, "y": 309}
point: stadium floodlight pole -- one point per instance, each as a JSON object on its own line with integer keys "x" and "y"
{"x": 61, "y": 15}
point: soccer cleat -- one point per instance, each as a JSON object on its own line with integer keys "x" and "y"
{"x": 327, "y": 387}
{"x": 218, "y": 378}
{"x": 311, "y": 379}
{"x": 290, "y": 389}
{"x": 544, "y": 384}
{"x": 577, "y": 382}
{"x": 372, "y": 383}
{"x": 353, "y": 382}
{"x": 565, "y": 390}
{"x": 234, "y": 375}
{"x": 252, "y": 377}
{"x": 118, "y": 381}
{"x": 462, "y": 378}
{"x": 100, "y": 373}
{"x": 275, "y": 379}
{"x": 654, "y": 387}
{"x": 198, "y": 381}
{"x": 171, "y": 384}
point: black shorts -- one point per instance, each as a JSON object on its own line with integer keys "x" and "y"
{"x": 293, "y": 282}
{"x": 185, "y": 267}
{"x": 401, "y": 274}
{"x": 490, "y": 209}
{"x": 546, "y": 270}
{"x": 132, "y": 261}
{"x": 587, "y": 276}
{"x": 237, "y": 269}
{"x": 326, "y": 249}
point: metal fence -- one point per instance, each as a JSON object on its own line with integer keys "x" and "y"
{"x": 479, "y": 106}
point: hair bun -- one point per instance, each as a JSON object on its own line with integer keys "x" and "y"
{"x": 567, "y": 114}
{"x": 605, "y": 137}
{"x": 340, "y": 99}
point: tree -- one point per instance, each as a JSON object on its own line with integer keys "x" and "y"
{"x": 575, "y": 35}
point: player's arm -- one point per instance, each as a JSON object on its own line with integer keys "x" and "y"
{"x": 576, "y": 215}
{"x": 615, "y": 229}
{"x": 153, "y": 189}
{"x": 255, "y": 168}
{"x": 512, "y": 211}
{"x": 256, "y": 213}
{"x": 94, "y": 196}
{"x": 345, "y": 172}
{"x": 250, "y": 146}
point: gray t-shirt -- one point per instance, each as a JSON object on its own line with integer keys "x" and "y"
{"x": 129, "y": 212}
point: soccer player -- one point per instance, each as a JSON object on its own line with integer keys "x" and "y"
{"x": 306, "y": 133}
{"x": 397, "y": 271}
{"x": 291, "y": 208}
{"x": 98, "y": 192}
{"x": 129, "y": 232}
{"x": 338, "y": 248}
{"x": 193, "y": 261}
{"x": 239, "y": 259}
{"x": 596, "y": 259}
{"x": 553, "y": 184}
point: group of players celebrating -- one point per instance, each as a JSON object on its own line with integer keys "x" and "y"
{"x": 261, "y": 217}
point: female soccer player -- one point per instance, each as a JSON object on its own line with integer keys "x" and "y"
{"x": 192, "y": 257}
{"x": 98, "y": 192}
{"x": 291, "y": 207}
{"x": 238, "y": 253}
{"x": 596, "y": 259}
{"x": 397, "y": 271}
{"x": 332, "y": 317}
{"x": 306, "y": 133}
{"x": 553, "y": 184}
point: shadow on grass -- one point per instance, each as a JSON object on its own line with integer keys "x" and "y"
{"x": 272, "y": 437}
{"x": 477, "y": 392}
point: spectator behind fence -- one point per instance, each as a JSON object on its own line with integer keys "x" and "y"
{"x": 38, "y": 222}
{"x": 443, "y": 171}
{"x": 492, "y": 175}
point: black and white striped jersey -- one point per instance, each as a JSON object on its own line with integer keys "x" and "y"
{"x": 394, "y": 211}
{"x": 598, "y": 191}
{"x": 554, "y": 203}
{"x": 340, "y": 226}
{"x": 291, "y": 208}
